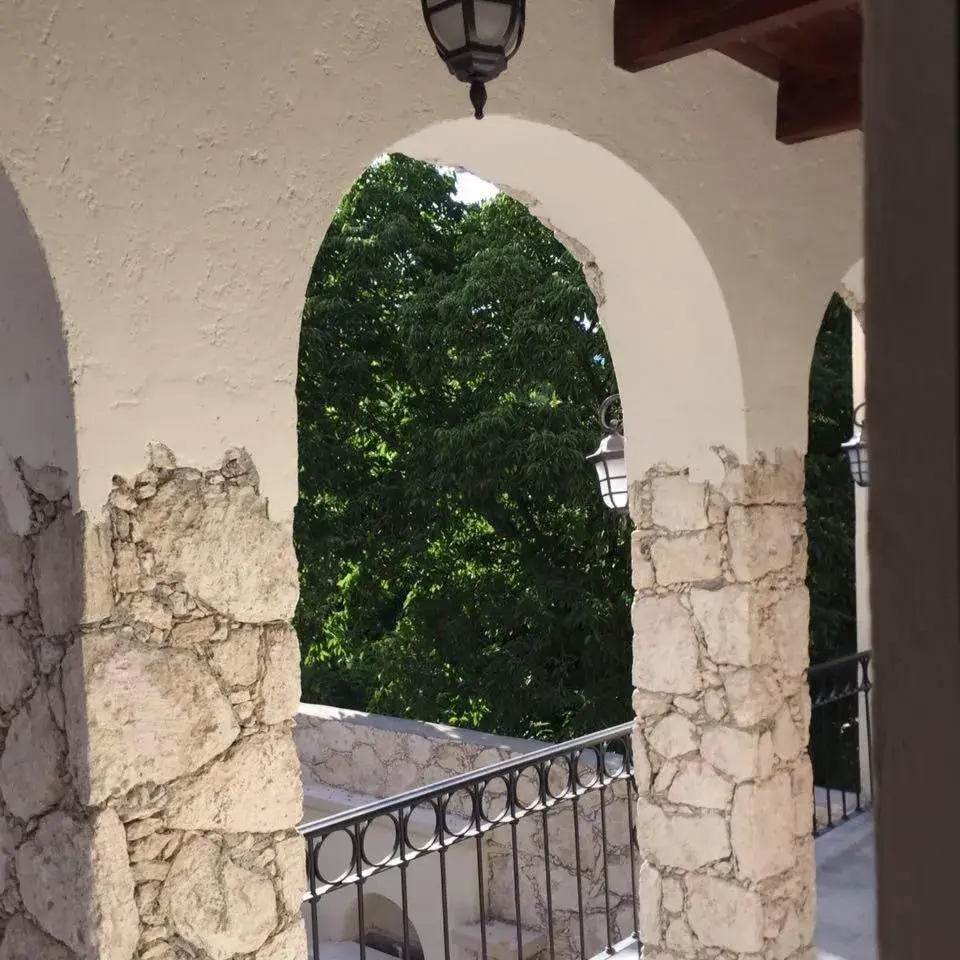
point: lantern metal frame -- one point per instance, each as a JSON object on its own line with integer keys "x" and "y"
{"x": 611, "y": 448}
{"x": 474, "y": 62}
{"x": 856, "y": 448}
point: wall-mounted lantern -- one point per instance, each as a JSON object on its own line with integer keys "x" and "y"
{"x": 475, "y": 39}
{"x": 610, "y": 458}
{"x": 856, "y": 448}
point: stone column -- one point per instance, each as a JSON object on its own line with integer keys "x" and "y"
{"x": 720, "y": 619}
{"x": 149, "y": 782}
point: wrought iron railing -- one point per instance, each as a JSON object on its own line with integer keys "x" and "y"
{"x": 545, "y": 862}
{"x": 841, "y": 739}
{"x": 534, "y": 856}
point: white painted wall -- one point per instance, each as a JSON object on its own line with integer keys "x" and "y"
{"x": 180, "y": 163}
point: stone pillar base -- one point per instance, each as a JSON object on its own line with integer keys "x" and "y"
{"x": 721, "y": 625}
{"x": 149, "y": 781}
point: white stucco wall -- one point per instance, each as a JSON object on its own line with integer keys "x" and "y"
{"x": 180, "y": 163}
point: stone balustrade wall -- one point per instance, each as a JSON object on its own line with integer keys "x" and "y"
{"x": 382, "y": 756}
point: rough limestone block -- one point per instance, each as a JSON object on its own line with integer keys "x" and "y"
{"x": 761, "y": 827}
{"x": 140, "y": 714}
{"x": 641, "y": 761}
{"x": 76, "y": 882}
{"x": 752, "y": 696}
{"x": 689, "y": 558}
{"x": 292, "y": 871}
{"x": 14, "y": 558}
{"x": 733, "y": 628}
{"x": 681, "y": 840}
{"x": 649, "y": 895}
{"x": 24, "y": 940}
{"x": 734, "y": 752}
{"x": 724, "y": 914}
{"x": 680, "y": 938}
{"x": 218, "y": 541}
{"x": 797, "y": 929}
{"x": 673, "y": 895}
{"x": 767, "y": 481}
{"x": 50, "y": 482}
{"x": 215, "y": 904}
{"x": 802, "y": 784}
{"x": 787, "y": 739}
{"x": 16, "y": 513}
{"x": 255, "y": 788}
{"x": 787, "y": 620}
{"x": 30, "y": 767}
{"x": 9, "y": 837}
{"x": 697, "y": 784}
{"x": 237, "y": 659}
{"x": 280, "y": 690}
{"x": 641, "y": 569}
{"x": 761, "y": 540}
{"x": 665, "y": 658}
{"x": 97, "y": 572}
{"x": 673, "y": 736}
{"x": 289, "y": 944}
{"x": 678, "y": 504}
{"x": 17, "y": 670}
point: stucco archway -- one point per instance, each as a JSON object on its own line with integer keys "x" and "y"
{"x": 660, "y": 303}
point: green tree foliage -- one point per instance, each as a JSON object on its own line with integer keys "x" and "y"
{"x": 831, "y": 574}
{"x": 457, "y": 564}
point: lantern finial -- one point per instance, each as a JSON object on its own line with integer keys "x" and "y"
{"x": 475, "y": 39}
{"x": 478, "y": 97}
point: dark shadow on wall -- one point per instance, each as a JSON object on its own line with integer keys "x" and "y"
{"x": 45, "y": 829}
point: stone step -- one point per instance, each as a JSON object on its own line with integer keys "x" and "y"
{"x": 501, "y": 940}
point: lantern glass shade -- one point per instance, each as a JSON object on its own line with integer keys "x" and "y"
{"x": 856, "y": 450}
{"x": 610, "y": 462}
{"x": 492, "y": 23}
{"x": 475, "y": 38}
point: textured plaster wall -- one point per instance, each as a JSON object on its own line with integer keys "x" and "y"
{"x": 375, "y": 756}
{"x": 180, "y": 163}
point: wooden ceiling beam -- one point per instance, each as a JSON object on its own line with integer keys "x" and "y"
{"x": 807, "y": 110}
{"x": 647, "y": 33}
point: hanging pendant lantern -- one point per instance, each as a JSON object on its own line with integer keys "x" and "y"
{"x": 475, "y": 39}
{"x": 856, "y": 448}
{"x": 610, "y": 459}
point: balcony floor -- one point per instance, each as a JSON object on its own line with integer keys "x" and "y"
{"x": 846, "y": 892}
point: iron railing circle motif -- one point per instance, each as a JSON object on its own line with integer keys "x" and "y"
{"x": 503, "y": 799}
{"x": 395, "y": 846}
{"x": 567, "y": 788}
{"x": 433, "y": 805}
{"x": 350, "y": 872}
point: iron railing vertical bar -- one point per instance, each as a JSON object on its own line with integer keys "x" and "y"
{"x": 312, "y": 852}
{"x": 632, "y": 840}
{"x": 549, "y": 887}
{"x": 836, "y": 748}
{"x": 513, "y": 786}
{"x": 601, "y": 773}
{"x": 444, "y": 904}
{"x": 577, "y": 861}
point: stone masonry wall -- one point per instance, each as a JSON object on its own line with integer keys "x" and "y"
{"x": 721, "y": 626}
{"x": 384, "y": 756}
{"x": 150, "y": 786}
